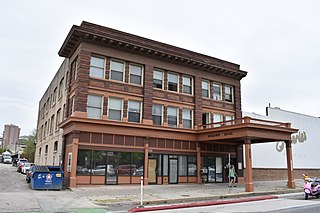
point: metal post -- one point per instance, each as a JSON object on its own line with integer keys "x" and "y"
{"x": 229, "y": 178}
{"x": 141, "y": 192}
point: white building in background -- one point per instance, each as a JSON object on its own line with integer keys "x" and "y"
{"x": 269, "y": 160}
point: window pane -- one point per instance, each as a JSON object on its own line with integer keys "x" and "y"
{"x": 94, "y": 112}
{"x": 134, "y": 106}
{"x": 156, "y": 110}
{"x": 156, "y": 120}
{"x": 138, "y": 162}
{"x": 97, "y": 62}
{"x": 216, "y": 91}
{"x": 84, "y": 162}
{"x": 187, "y": 81}
{"x": 205, "y": 93}
{"x": 157, "y": 75}
{"x": 172, "y": 121}
{"x": 186, "y": 114}
{"x": 118, "y": 76}
{"x": 187, "y": 89}
{"x": 183, "y": 164}
{"x": 172, "y": 111}
{"x": 134, "y": 117}
{"x": 115, "y": 103}
{"x": 99, "y": 162}
{"x": 165, "y": 165}
{"x": 187, "y": 123}
{"x": 94, "y": 101}
{"x": 115, "y": 114}
{"x": 173, "y": 78}
{"x": 134, "y": 79}
{"x": 157, "y": 83}
{"x": 173, "y": 87}
{"x": 96, "y": 72}
{"x": 117, "y": 66}
{"x": 205, "y": 85}
{"x": 125, "y": 168}
{"x": 135, "y": 70}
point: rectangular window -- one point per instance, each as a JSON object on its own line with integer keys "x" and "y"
{"x": 205, "y": 89}
{"x": 187, "y": 85}
{"x": 192, "y": 165}
{"x": 99, "y": 163}
{"x": 58, "y": 118}
{"x": 205, "y": 118}
{"x": 216, "y": 119}
{"x": 187, "y": 118}
{"x": 216, "y": 91}
{"x": 97, "y": 67}
{"x": 94, "y": 107}
{"x": 83, "y": 162}
{"x": 125, "y": 168}
{"x": 60, "y": 88}
{"x": 51, "y": 124}
{"x": 134, "y": 111}
{"x": 183, "y": 165}
{"x": 229, "y": 118}
{"x": 117, "y": 70}
{"x": 158, "y": 79}
{"x": 172, "y": 116}
{"x": 137, "y": 162}
{"x": 55, "y": 146}
{"x": 54, "y": 96}
{"x": 115, "y": 109}
{"x": 157, "y": 115}
{"x": 173, "y": 82}
{"x": 228, "y": 93}
{"x": 135, "y": 74}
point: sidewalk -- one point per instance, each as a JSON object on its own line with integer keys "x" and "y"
{"x": 129, "y": 195}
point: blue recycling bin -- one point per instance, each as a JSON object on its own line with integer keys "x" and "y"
{"x": 46, "y": 177}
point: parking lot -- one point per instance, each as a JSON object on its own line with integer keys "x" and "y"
{"x": 16, "y": 195}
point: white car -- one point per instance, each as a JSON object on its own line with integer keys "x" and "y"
{"x": 7, "y": 159}
{"x": 26, "y": 167}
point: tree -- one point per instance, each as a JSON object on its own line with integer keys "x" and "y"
{"x": 30, "y": 149}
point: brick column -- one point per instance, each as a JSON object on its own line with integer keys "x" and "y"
{"x": 147, "y": 95}
{"x": 74, "y": 159}
{"x": 249, "y": 182}
{"x": 291, "y": 182}
{"x": 240, "y": 162}
{"x": 198, "y": 100}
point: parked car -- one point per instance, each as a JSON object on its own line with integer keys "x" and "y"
{"x": 20, "y": 164}
{"x": 15, "y": 161}
{"x": 29, "y": 173}
{"x": 7, "y": 159}
{"x": 26, "y": 167}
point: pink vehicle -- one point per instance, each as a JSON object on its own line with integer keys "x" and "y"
{"x": 311, "y": 187}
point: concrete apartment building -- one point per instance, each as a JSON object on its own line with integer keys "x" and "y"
{"x": 137, "y": 107}
{"x": 51, "y": 113}
{"x": 10, "y": 140}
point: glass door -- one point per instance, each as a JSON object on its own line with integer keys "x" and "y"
{"x": 111, "y": 168}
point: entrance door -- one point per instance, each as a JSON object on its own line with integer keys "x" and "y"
{"x": 152, "y": 171}
{"x": 111, "y": 171}
{"x": 173, "y": 170}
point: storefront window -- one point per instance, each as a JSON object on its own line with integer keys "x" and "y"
{"x": 84, "y": 162}
{"x": 192, "y": 166}
{"x": 165, "y": 165}
{"x": 125, "y": 168}
{"x": 137, "y": 163}
{"x": 183, "y": 164}
{"x": 99, "y": 162}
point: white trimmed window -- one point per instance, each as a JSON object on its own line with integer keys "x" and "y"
{"x": 173, "y": 82}
{"x": 172, "y": 116}
{"x": 115, "y": 109}
{"x": 135, "y": 74}
{"x": 97, "y": 67}
{"x": 94, "y": 106}
{"x": 117, "y": 70}
{"x": 205, "y": 88}
{"x": 187, "y": 85}
{"x": 216, "y": 91}
{"x": 205, "y": 118}
{"x": 217, "y": 118}
{"x": 229, "y": 118}
{"x": 134, "y": 111}
{"x": 228, "y": 93}
{"x": 157, "y": 114}
{"x": 187, "y": 118}
{"x": 158, "y": 79}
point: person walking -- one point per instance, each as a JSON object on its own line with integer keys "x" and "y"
{"x": 232, "y": 174}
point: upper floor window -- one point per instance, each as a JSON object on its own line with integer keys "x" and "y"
{"x": 74, "y": 67}
{"x": 55, "y": 146}
{"x": 187, "y": 118}
{"x": 60, "y": 88}
{"x": 134, "y": 112}
{"x": 205, "y": 118}
{"x": 51, "y": 124}
{"x": 94, "y": 106}
{"x": 135, "y": 74}
{"x": 97, "y": 67}
{"x": 205, "y": 88}
{"x": 58, "y": 118}
{"x": 216, "y": 91}
{"x": 187, "y": 84}
{"x": 229, "y": 118}
{"x": 172, "y": 116}
{"x": 216, "y": 119}
{"x": 54, "y": 96}
{"x": 157, "y": 114}
{"x": 158, "y": 79}
{"x": 173, "y": 82}
{"x": 115, "y": 109}
{"x": 117, "y": 70}
{"x": 228, "y": 93}
{"x": 46, "y": 150}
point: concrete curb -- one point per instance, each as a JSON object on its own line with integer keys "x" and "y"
{"x": 200, "y": 204}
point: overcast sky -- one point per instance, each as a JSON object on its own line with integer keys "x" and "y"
{"x": 277, "y": 42}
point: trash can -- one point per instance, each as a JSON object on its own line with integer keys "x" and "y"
{"x": 46, "y": 177}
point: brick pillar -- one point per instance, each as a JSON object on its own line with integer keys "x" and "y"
{"x": 146, "y": 158}
{"x": 199, "y": 179}
{"x": 198, "y": 101}
{"x": 291, "y": 182}
{"x": 237, "y": 101}
{"x": 249, "y": 182}
{"x": 74, "y": 159}
{"x": 147, "y": 95}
